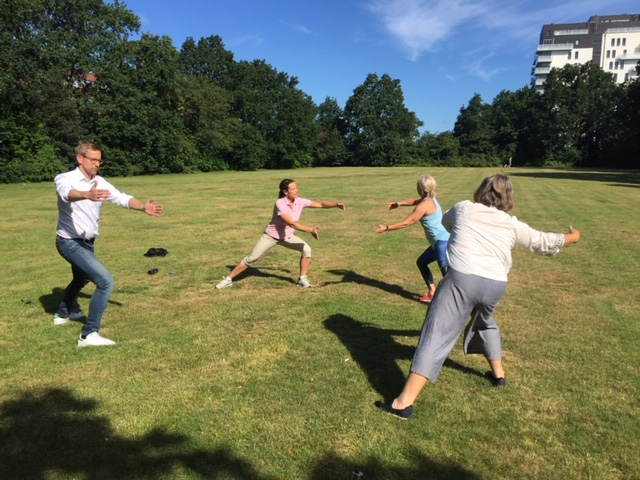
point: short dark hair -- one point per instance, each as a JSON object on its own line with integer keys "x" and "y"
{"x": 284, "y": 186}
{"x": 495, "y": 191}
{"x": 85, "y": 147}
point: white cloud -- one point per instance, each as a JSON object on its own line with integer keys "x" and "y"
{"x": 421, "y": 24}
{"x": 254, "y": 39}
{"x": 297, "y": 27}
{"x": 426, "y": 25}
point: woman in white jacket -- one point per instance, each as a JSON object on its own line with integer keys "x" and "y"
{"x": 479, "y": 252}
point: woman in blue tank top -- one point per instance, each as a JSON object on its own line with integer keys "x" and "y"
{"x": 427, "y": 210}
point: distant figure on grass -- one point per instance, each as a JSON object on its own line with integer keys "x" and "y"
{"x": 280, "y": 231}
{"x": 80, "y": 196}
{"x": 427, "y": 210}
{"x": 482, "y": 236}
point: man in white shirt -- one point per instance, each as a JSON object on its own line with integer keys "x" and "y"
{"x": 80, "y": 196}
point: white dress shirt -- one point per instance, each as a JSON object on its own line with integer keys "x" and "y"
{"x": 79, "y": 219}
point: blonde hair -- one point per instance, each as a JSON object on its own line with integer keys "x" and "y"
{"x": 495, "y": 191}
{"x": 427, "y": 185}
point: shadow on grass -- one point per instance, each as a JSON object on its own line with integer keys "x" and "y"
{"x": 51, "y": 301}
{"x": 622, "y": 178}
{"x": 353, "y": 277}
{"x": 376, "y": 351}
{"x": 332, "y": 467}
{"x": 47, "y": 432}
{"x": 262, "y": 273}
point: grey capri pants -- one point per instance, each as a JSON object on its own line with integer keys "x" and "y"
{"x": 459, "y": 296}
{"x": 267, "y": 242}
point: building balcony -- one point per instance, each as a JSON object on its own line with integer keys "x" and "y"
{"x": 544, "y": 58}
{"x": 554, "y": 47}
{"x": 635, "y": 55}
{"x": 540, "y": 81}
{"x": 541, "y": 70}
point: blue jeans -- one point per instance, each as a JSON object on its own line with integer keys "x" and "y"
{"x": 86, "y": 268}
{"x": 436, "y": 252}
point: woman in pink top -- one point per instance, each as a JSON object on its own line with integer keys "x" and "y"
{"x": 281, "y": 230}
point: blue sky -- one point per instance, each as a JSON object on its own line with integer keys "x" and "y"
{"x": 442, "y": 51}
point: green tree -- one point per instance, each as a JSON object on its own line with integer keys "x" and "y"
{"x": 581, "y": 101}
{"x": 281, "y": 115}
{"x": 330, "y": 148}
{"x": 474, "y": 131}
{"x": 438, "y": 150}
{"x": 517, "y": 122}
{"x": 380, "y": 130}
{"x": 623, "y": 147}
{"x": 48, "y": 50}
{"x": 208, "y": 58}
{"x": 135, "y": 112}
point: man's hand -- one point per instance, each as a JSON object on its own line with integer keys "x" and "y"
{"x": 97, "y": 194}
{"x": 151, "y": 209}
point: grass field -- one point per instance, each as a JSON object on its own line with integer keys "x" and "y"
{"x": 265, "y": 380}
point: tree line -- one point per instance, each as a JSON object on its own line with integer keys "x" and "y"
{"x": 71, "y": 70}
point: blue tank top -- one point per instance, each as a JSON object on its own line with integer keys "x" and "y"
{"x": 432, "y": 224}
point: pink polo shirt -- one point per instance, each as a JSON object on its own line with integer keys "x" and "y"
{"x": 277, "y": 227}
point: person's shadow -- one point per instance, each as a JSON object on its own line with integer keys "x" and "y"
{"x": 45, "y": 431}
{"x": 51, "y": 301}
{"x": 332, "y": 466}
{"x": 376, "y": 351}
{"x": 263, "y": 272}
{"x": 353, "y": 277}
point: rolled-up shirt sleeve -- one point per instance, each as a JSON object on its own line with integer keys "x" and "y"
{"x": 64, "y": 185}
{"x": 536, "y": 241}
{"x": 116, "y": 197}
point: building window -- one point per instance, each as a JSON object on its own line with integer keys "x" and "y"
{"x": 569, "y": 56}
{"x": 575, "y": 56}
{"x": 577, "y": 42}
{"x": 596, "y": 54}
{"x": 624, "y": 42}
{"x": 610, "y": 65}
{"x": 613, "y": 54}
{"x": 615, "y": 77}
{"x": 608, "y": 53}
{"x": 597, "y": 42}
{"x": 613, "y": 42}
{"x": 618, "y": 42}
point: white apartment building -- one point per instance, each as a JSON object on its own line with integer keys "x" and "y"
{"x": 610, "y": 41}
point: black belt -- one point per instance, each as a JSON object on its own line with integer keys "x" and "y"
{"x": 85, "y": 240}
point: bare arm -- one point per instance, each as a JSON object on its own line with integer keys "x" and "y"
{"x": 410, "y": 202}
{"x": 339, "y": 205}
{"x": 423, "y": 208}
{"x": 288, "y": 219}
{"x": 149, "y": 208}
{"x": 95, "y": 194}
{"x": 572, "y": 237}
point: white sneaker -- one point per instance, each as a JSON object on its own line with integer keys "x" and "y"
{"x": 94, "y": 340}
{"x": 303, "y": 282}
{"x": 58, "y": 320}
{"x": 226, "y": 282}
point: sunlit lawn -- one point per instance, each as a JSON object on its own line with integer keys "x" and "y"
{"x": 265, "y": 380}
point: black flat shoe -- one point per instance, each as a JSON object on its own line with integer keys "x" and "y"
{"x": 496, "y": 382}
{"x": 404, "y": 414}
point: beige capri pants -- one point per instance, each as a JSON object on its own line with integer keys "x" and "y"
{"x": 267, "y": 242}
